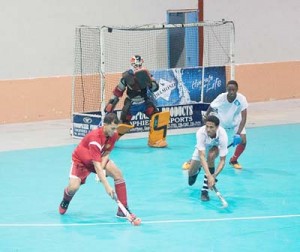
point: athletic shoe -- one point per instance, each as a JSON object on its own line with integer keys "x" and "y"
{"x": 186, "y": 165}
{"x": 121, "y": 215}
{"x": 193, "y": 178}
{"x": 63, "y": 206}
{"x": 204, "y": 196}
{"x": 235, "y": 164}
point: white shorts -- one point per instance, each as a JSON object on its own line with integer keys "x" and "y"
{"x": 196, "y": 156}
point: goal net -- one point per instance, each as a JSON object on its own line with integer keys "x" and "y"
{"x": 103, "y": 53}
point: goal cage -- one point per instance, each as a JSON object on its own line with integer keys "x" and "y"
{"x": 191, "y": 62}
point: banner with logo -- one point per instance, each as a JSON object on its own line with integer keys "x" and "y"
{"x": 180, "y": 86}
{"x": 84, "y": 123}
{"x": 179, "y": 92}
{"x": 182, "y": 116}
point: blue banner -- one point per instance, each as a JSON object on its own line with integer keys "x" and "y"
{"x": 180, "y": 86}
{"x": 84, "y": 123}
{"x": 179, "y": 93}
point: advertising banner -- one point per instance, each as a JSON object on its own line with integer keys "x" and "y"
{"x": 179, "y": 93}
{"x": 183, "y": 85}
{"x": 182, "y": 116}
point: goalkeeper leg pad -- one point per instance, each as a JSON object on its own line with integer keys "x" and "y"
{"x": 158, "y": 129}
{"x": 124, "y": 128}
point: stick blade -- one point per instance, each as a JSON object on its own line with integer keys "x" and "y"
{"x": 225, "y": 204}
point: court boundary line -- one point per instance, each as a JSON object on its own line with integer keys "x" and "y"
{"x": 148, "y": 222}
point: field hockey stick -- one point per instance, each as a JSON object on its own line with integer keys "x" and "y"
{"x": 229, "y": 145}
{"x": 134, "y": 221}
{"x": 223, "y": 201}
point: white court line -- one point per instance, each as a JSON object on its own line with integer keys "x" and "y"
{"x": 148, "y": 222}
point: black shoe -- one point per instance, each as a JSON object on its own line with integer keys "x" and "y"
{"x": 193, "y": 178}
{"x": 63, "y": 207}
{"x": 120, "y": 214}
{"x": 204, "y": 196}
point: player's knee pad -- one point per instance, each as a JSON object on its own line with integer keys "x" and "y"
{"x": 158, "y": 129}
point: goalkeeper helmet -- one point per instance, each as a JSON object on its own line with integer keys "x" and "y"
{"x": 136, "y": 61}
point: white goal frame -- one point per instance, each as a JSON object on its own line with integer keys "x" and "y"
{"x": 101, "y": 59}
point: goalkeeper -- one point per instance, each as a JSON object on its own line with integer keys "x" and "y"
{"x": 139, "y": 85}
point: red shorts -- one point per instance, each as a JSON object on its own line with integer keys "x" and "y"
{"x": 79, "y": 171}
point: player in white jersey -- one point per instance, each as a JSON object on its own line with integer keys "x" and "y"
{"x": 212, "y": 142}
{"x": 231, "y": 108}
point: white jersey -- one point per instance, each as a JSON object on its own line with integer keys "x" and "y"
{"x": 205, "y": 143}
{"x": 229, "y": 113}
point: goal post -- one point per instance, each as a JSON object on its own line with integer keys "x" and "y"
{"x": 171, "y": 52}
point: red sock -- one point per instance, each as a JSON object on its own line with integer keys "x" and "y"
{"x": 238, "y": 151}
{"x": 120, "y": 187}
{"x": 67, "y": 195}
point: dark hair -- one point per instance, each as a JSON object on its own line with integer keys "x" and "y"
{"x": 110, "y": 118}
{"x": 213, "y": 119}
{"x": 233, "y": 82}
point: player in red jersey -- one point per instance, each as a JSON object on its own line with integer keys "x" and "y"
{"x": 92, "y": 155}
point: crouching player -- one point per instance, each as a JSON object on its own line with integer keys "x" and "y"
{"x": 92, "y": 156}
{"x": 212, "y": 142}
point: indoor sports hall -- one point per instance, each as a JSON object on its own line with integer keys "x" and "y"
{"x": 263, "y": 197}
{"x": 65, "y": 63}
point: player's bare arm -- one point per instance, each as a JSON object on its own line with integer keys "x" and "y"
{"x": 210, "y": 109}
{"x": 100, "y": 173}
{"x": 243, "y": 121}
{"x": 220, "y": 166}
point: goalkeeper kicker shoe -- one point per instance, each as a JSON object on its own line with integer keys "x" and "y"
{"x": 121, "y": 215}
{"x": 63, "y": 206}
{"x": 158, "y": 144}
{"x": 235, "y": 164}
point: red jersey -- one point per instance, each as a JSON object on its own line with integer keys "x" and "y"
{"x": 92, "y": 147}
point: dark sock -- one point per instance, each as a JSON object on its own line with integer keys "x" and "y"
{"x": 205, "y": 185}
{"x": 67, "y": 195}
